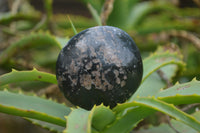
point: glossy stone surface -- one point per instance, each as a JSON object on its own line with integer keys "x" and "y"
{"x": 99, "y": 65}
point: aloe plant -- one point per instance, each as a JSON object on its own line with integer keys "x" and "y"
{"x": 149, "y": 98}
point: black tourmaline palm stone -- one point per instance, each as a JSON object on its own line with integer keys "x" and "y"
{"x": 99, "y": 65}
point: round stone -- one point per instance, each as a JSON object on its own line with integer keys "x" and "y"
{"x": 99, "y": 65}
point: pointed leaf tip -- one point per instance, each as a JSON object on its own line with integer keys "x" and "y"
{"x": 194, "y": 79}
{"x": 14, "y": 70}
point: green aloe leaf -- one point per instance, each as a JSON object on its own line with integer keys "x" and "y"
{"x": 158, "y": 60}
{"x": 167, "y": 62}
{"x": 84, "y": 121}
{"x": 46, "y": 125}
{"x": 102, "y": 117}
{"x": 127, "y": 120}
{"x": 31, "y": 40}
{"x": 154, "y": 104}
{"x": 33, "y": 75}
{"x": 165, "y": 128}
{"x": 33, "y": 107}
{"x": 181, "y": 99}
{"x": 185, "y": 93}
{"x": 79, "y": 121}
{"x": 149, "y": 87}
{"x": 188, "y": 88}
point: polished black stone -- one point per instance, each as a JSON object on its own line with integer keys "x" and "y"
{"x": 99, "y": 65}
